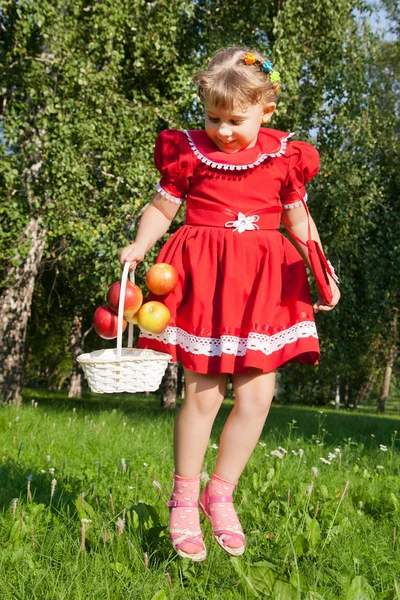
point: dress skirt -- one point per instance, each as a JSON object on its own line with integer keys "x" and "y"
{"x": 242, "y": 302}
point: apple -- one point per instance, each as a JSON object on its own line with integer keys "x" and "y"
{"x": 161, "y": 279}
{"x": 133, "y": 298}
{"x": 132, "y": 320}
{"x": 105, "y": 322}
{"x": 153, "y": 317}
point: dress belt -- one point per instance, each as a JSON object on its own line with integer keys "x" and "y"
{"x": 264, "y": 218}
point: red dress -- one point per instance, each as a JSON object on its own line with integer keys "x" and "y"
{"x": 243, "y": 298}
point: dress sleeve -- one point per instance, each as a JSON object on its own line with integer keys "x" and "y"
{"x": 303, "y": 166}
{"x": 172, "y": 158}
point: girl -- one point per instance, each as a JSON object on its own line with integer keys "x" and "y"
{"x": 242, "y": 305}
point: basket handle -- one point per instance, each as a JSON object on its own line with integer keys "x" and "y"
{"x": 121, "y": 310}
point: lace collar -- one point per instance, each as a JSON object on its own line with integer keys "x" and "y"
{"x": 270, "y": 144}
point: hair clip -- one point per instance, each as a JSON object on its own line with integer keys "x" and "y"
{"x": 267, "y": 66}
{"x": 275, "y": 77}
{"x": 250, "y": 58}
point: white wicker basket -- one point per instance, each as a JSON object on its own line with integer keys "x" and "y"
{"x": 120, "y": 369}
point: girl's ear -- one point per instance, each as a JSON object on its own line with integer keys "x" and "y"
{"x": 268, "y": 111}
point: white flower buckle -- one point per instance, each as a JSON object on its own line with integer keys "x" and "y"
{"x": 243, "y": 223}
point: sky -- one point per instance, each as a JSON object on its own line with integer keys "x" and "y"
{"x": 379, "y": 23}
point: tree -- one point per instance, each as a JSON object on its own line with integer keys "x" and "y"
{"x": 84, "y": 92}
{"x": 86, "y": 88}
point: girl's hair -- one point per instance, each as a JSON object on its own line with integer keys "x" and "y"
{"x": 229, "y": 81}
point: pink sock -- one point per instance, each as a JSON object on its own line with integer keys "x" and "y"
{"x": 186, "y": 489}
{"x": 224, "y": 515}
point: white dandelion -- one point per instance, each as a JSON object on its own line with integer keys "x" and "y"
{"x": 204, "y": 477}
{"x": 84, "y": 524}
{"x": 277, "y": 453}
{"x": 120, "y": 524}
{"x": 157, "y": 485}
{"x": 53, "y": 487}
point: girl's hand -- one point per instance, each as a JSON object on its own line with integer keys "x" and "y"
{"x": 320, "y": 304}
{"x": 133, "y": 254}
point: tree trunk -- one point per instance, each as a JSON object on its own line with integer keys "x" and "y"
{"x": 387, "y": 376}
{"x": 76, "y": 341}
{"x": 169, "y": 386}
{"x": 15, "y": 307}
{"x": 364, "y": 388}
{"x": 346, "y": 393}
{"x": 181, "y": 382}
{"x": 337, "y": 394}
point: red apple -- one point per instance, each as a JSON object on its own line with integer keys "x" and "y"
{"x": 161, "y": 279}
{"x": 153, "y": 317}
{"x": 133, "y": 298}
{"x": 105, "y": 322}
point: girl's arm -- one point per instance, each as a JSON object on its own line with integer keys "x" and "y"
{"x": 296, "y": 220}
{"x": 153, "y": 224}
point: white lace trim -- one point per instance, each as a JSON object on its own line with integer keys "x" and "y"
{"x": 296, "y": 204}
{"x": 168, "y": 196}
{"x": 228, "y": 167}
{"x": 231, "y": 344}
{"x": 333, "y": 273}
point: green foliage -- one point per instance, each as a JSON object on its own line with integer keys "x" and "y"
{"x": 85, "y": 88}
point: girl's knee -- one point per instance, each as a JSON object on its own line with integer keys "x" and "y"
{"x": 207, "y": 405}
{"x": 255, "y": 407}
{"x": 203, "y": 403}
{"x": 204, "y": 393}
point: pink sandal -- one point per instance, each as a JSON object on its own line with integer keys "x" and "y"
{"x": 182, "y": 536}
{"x": 221, "y": 534}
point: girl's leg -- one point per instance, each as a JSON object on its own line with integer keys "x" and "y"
{"x": 253, "y": 397}
{"x": 203, "y": 398}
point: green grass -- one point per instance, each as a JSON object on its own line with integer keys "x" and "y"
{"x": 308, "y": 537}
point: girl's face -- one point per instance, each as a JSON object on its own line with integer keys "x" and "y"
{"x": 236, "y": 129}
